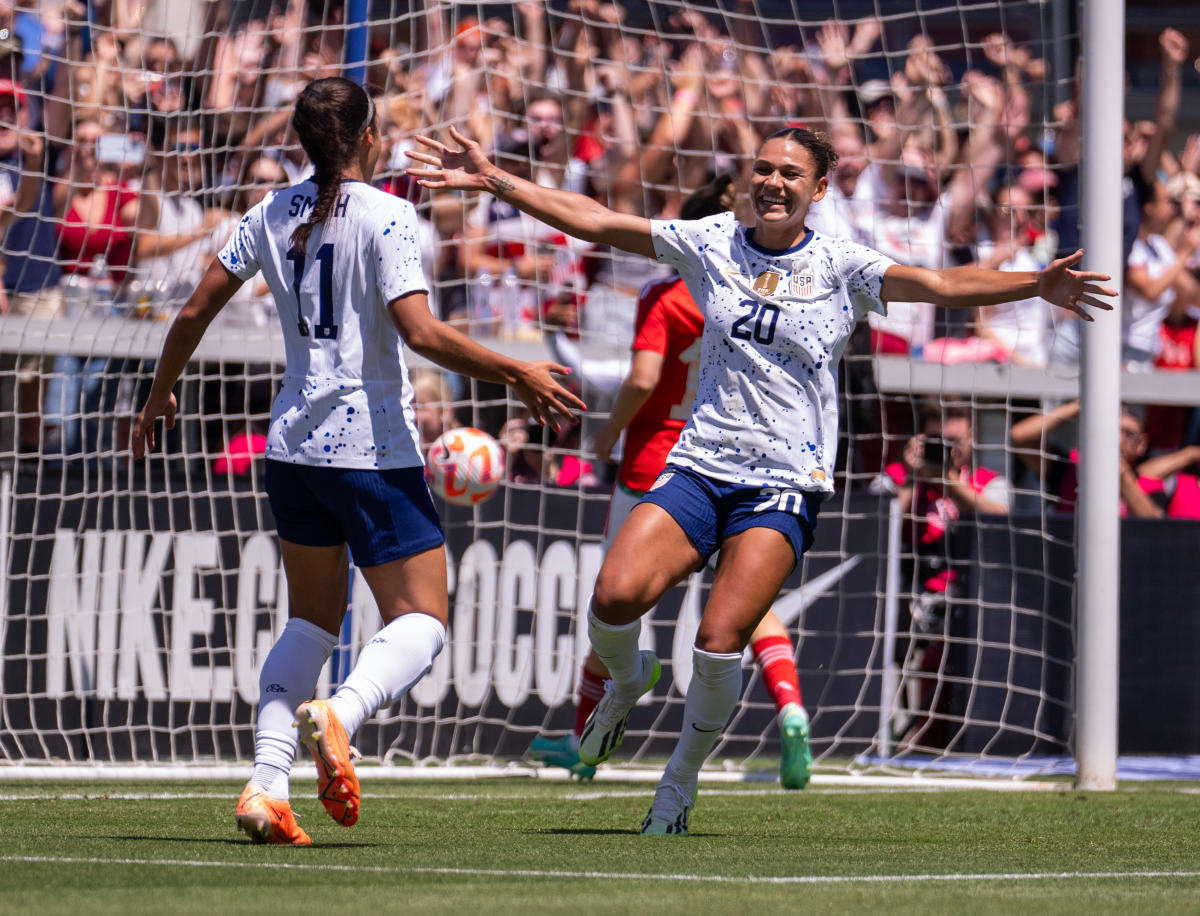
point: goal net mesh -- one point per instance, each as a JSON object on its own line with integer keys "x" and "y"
{"x": 141, "y": 597}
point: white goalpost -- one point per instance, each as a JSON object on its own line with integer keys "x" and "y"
{"x": 139, "y": 599}
{"x": 1098, "y": 585}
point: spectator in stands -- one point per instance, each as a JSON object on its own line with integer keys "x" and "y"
{"x": 237, "y": 89}
{"x": 98, "y": 208}
{"x": 1142, "y": 155}
{"x": 938, "y": 484}
{"x": 524, "y": 451}
{"x": 30, "y": 272}
{"x": 157, "y": 90}
{"x": 1058, "y": 468}
{"x": 1155, "y": 275}
{"x": 913, "y": 216}
{"x": 1145, "y": 142}
{"x": 175, "y": 238}
{"x": 1172, "y": 483}
{"x": 433, "y": 404}
{"x": 263, "y": 175}
{"x": 1023, "y": 328}
{"x": 95, "y": 247}
{"x": 236, "y": 396}
{"x": 252, "y": 305}
{"x": 522, "y": 266}
{"x": 455, "y": 62}
{"x": 1170, "y": 427}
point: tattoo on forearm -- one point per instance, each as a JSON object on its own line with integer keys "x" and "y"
{"x": 500, "y": 183}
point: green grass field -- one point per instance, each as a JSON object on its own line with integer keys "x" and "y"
{"x": 529, "y": 846}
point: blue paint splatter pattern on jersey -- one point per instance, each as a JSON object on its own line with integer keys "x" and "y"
{"x": 776, "y": 325}
{"x": 345, "y": 399}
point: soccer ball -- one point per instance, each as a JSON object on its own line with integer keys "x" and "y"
{"x": 465, "y": 466}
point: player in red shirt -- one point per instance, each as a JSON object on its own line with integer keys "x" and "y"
{"x": 652, "y": 407}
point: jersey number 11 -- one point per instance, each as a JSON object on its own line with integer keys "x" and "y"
{"x": 325, "y": 328}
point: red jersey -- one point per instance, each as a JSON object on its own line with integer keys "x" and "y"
{"x": 1178, "y": 343}
{"x": 1179, "y": 494}
{"x": 1166, "y": 425}
{"x": 668, "y": 322}
{"x": 80, "y": 243}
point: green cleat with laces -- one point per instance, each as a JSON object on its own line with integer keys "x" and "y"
{"x": 796, "y": 763}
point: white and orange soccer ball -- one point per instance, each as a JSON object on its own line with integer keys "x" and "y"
{"x": 465, "y": 466}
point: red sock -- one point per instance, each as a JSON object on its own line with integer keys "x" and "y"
{"x": 774, "y": 656}
{"x": 591, "y": 689}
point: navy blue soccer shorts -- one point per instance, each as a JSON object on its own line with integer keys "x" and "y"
{"x": 382, "y": 515}
{"x": 710, "y": 510}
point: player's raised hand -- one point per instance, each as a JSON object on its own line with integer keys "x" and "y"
{"x": 464, "y": 169}
{"x": 1074, "y": 289}
{"x": 141, "y": 437}
{"x": 544, "y": 395}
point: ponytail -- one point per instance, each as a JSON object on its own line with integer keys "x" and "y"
{"x": 330, "y": 117}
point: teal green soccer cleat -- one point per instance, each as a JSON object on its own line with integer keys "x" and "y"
{"x": 561, "y": 752}
{"x": 795, "y": 764}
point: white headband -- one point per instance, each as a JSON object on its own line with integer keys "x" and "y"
{"x": 370, "y": 113}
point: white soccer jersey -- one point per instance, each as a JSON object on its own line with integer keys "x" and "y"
{"x": 775, "y": 326}
{"x": 345, "y": 400}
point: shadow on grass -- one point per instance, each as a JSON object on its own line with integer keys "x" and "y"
{"x": 230, "y": 841}
{"x": 593, "y": 831}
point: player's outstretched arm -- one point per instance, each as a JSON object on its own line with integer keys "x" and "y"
{"x": 534, "y": 382}
{"x": 968, "y": 287}
{"x": 216, "y": 288}
{"x": 468, "y": 169}
{"x": 644, "y": 373}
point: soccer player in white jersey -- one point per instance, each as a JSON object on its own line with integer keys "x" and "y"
{"x": 651, "y": 410}
{"x": 756, "y": 457}
{"x": 344, "y": 466}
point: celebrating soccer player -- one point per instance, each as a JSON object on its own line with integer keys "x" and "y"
{"x": 756, "y": 456}
{"x": 343, "y": 463}
{"x": 652, "y": 406}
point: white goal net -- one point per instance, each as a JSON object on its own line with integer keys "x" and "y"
{"x": 140, "y": 598}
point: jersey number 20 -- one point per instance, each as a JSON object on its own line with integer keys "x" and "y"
{"x": 763, "y": 315}
{"x": 325, "y": 328}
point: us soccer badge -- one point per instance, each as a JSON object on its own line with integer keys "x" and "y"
{"x": 800, "y": 284}
{"x": 766, "y": 283}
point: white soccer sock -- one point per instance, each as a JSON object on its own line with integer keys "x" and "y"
{"x": 274, "y": 753}
{"x": 617, "y": 647}
{"x": 713, "y": 693}
{"x": 396, "y": 658}
{"x": 288, "y": 678}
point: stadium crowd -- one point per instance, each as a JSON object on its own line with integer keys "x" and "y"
{"x": 126, "y": 157}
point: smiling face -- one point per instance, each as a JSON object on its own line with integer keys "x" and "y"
{"x": 783, "y": 185}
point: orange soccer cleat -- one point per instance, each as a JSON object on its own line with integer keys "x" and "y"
{"x": 327, "y": 741}
{"x": 268, "y": 820}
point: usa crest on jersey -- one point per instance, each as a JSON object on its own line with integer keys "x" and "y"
{"x": 801, "y": 284}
